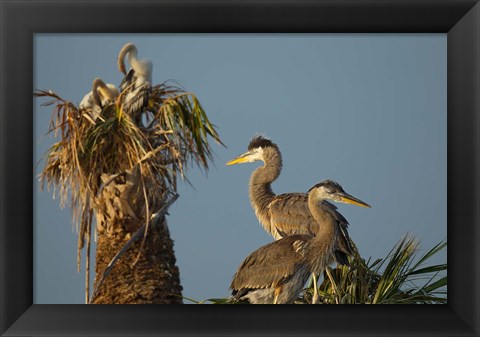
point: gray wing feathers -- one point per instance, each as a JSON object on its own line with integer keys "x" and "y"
{"x": 290, "y": 215}
{"x": 136, "y": 101}
{"x": 343, "y": 245}
{"x": 127, "y": 80}
{"x": 137, "y": 94}
{"x": 269, "y": 265}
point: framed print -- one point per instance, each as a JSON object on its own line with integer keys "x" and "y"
{"x": 27, "y": 28}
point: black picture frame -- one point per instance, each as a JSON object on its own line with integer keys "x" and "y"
{"x": 20, "y": 20}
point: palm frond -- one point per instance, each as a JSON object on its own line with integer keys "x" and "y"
{"x": 391, "y": 280}
{"x": 96, "y": 148}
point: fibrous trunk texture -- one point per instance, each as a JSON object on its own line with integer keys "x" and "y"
{"x": 146, "y": 275}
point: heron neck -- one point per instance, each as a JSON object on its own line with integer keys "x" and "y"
{"x": 143, "y": 68}
{"x": 266, "y": 174}
{"x": 260, "y": 190}
{"x": 96, "y": 98}
{"x": 104, "y": 91}
{"x": 326, "y": 221}
{"x": 132, "y": 56}
{"x": 321, "y": 247}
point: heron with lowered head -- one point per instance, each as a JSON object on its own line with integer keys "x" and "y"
{"x": 137, "y": 83}
{"x": 277, "y": 272}
{"x": 286, "y": 214}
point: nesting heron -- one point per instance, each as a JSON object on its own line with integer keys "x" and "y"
{"x": 99, "y": 96}
{"x": 137, "y": 84}
{"x": 285, "y": 214}
{"x": 277, "y": 272}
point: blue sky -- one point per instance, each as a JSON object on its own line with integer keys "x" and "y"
{"x": 366, "y": 110}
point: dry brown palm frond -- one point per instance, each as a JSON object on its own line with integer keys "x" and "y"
{"x": 96, "y": 148}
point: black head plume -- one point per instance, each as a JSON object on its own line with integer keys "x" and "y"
{"x": 259, "y": 141}
{"x": 330, "y": 185}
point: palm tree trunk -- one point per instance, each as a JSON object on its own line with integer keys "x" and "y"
{"x": 141, "y": 275}
{"x": 153, "y": 279}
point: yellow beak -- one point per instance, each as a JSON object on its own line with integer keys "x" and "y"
{"x": 348, "y": 199}
{"x": 243, "y": 158}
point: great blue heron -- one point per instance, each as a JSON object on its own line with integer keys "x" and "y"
{"x": 137, "y": 83}
{"x": 285, "y": 214}
{"x": 100, "y": 95}
{"x": 277, "y": 272}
